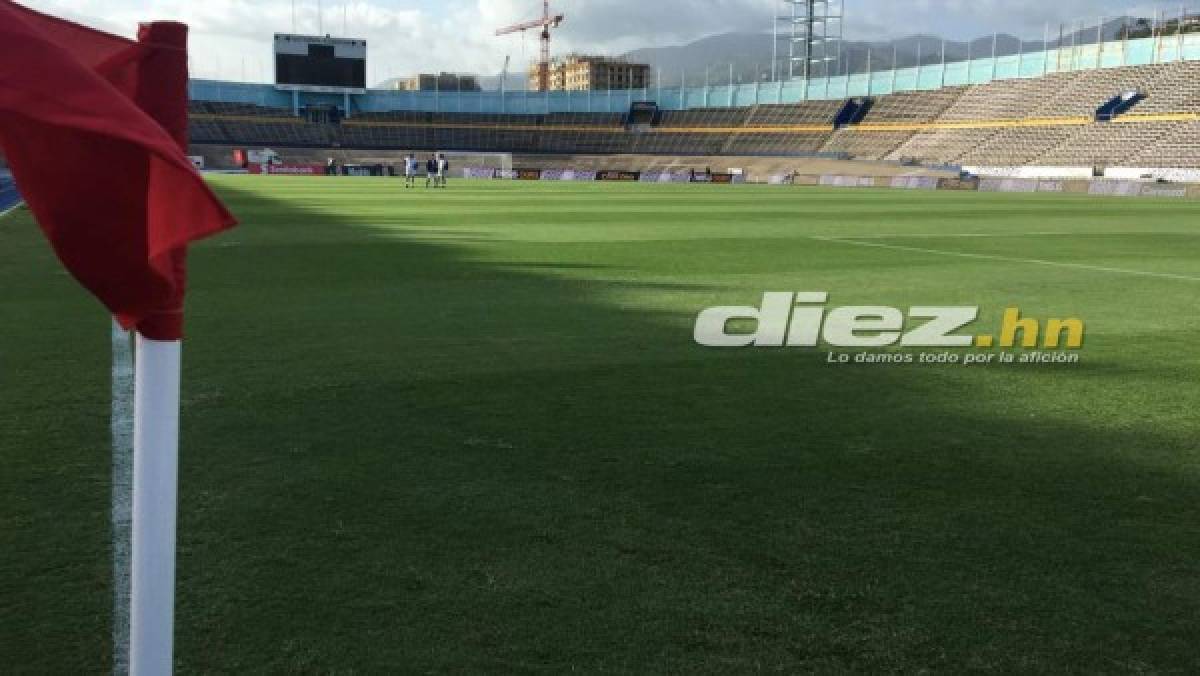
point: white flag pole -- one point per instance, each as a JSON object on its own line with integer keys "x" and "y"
{"x": 122, "y": 490}
{"x": 155, "y": 488}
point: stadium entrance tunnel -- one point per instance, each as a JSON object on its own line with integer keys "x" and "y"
{"x": 643, "y": 114}
{"x": 853, "y": 111}
{"x": 1119, "y": 105}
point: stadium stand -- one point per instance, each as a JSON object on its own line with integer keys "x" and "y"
{"x": 940, "y": 145}
{"x": 792, "y": 142}
{"x": 874, "y": 138}
{"x": 669, "y": 143}
{"x": 805, "y": 128}
{"x": 703, "y": 131}
{"x": 1016, "y": 146}
{"x": 866, "y": 145}
{"x": 1112, "y": 144}
{"x": 1176, "y": 89}
{"x": 913, "y": 107}
{"x": 1049, "y": 119}
{"x": 809, "y": 113}
{"x": 1083, "y": 92}
{"x": 1003, "y": 99}
{"x": 1041, "y": 121}
{"x": 1176, "y": 148}
{"x": 704, "y": 117}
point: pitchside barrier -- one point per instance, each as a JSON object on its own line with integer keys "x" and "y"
{"x": 722, "y": 178}
{"x": 1152, "y": 190}
{"x": 962, "y": 183}
{"x": 1137, "y": 189}
{"x": 1171, "y": 175}
{"x": 480, "y": 172}
{"x": 1115, "y": 188}
{"x": 616, "y": 175}
{"x": 1079, "y": 173}
{"x": 611, "y": 175}
{"x": 915, "y": 182}
{"x": 1089, "y": 173}
{"x": 568, "y": 175}
{"x": 321, "y": 170}
{"x": 287, "y": 169}
{"x": 1136, "y": 182}
{"x": 847, "y": 181}
{"x": 1010, "y": 185}
{"x": 1020, "y": 185}
{"x": 666, "y": 177}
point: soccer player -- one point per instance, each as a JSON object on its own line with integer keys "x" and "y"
{"x": 442, "y": 168}
{"x": 431, "y": 171}
{"x": 410, "y": 170}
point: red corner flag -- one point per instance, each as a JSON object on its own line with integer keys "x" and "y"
{"x": 94, "y": 127}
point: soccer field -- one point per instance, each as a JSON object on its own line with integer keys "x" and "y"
{"x": 469, "y": 430}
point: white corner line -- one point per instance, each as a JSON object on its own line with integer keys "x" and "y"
{"x": 11, "y": 209}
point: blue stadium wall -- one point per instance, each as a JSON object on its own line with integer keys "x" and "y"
{"x": 1138, "y": 52}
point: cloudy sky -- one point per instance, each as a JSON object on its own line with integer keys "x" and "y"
{"x": 231, "y": 39}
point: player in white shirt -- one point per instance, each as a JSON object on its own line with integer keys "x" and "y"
{"x": 410, "y": 171}
{"x": 443, "y": 167}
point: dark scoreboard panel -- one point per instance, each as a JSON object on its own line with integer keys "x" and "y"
{"x": 327, "y": 63}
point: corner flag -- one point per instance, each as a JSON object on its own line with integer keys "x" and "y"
{"x": 94, "y": 127}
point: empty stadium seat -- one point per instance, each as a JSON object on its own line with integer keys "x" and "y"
{"x": 1040, "y": 120}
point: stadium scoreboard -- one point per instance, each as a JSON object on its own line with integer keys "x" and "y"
{"x": 314, "y": 63}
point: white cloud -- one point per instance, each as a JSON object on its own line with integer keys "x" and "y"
{"x": 231, "y": 38}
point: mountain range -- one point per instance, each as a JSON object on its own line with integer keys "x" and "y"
{"x": 750, "y": 54}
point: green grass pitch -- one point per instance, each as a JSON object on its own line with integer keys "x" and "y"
{"x": 468, "y": 431}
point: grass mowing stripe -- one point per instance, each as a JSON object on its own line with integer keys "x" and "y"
{"x": 1011, "y": 259}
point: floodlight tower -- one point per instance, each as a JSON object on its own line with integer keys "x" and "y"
{"x": 811, "y": 31}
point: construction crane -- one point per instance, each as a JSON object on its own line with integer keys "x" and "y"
{"x": 547, "y": 22}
